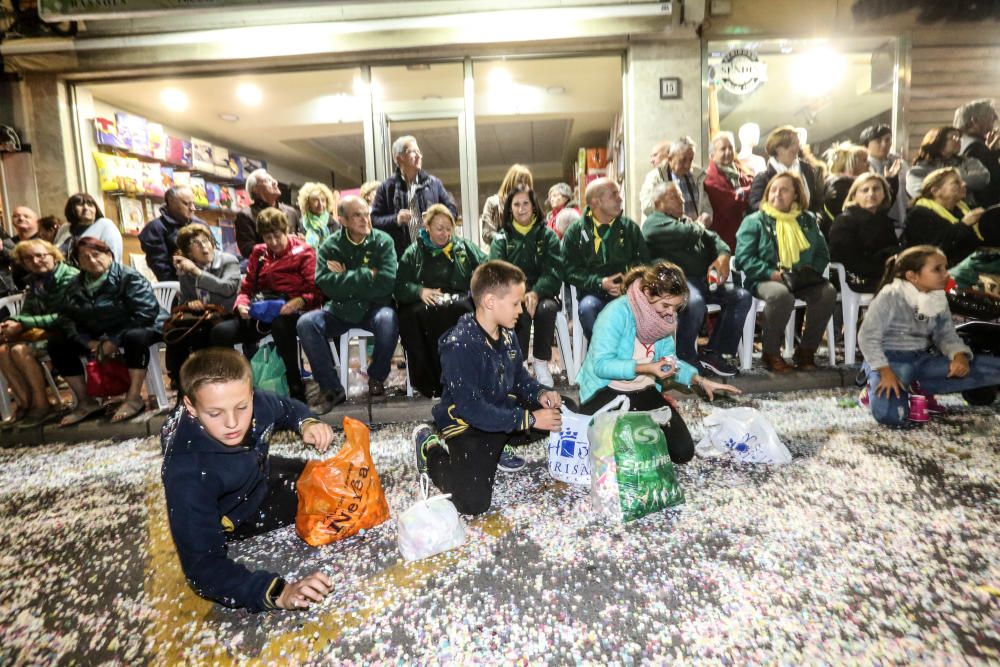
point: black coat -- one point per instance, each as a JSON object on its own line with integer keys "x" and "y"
{"x": 393, "y": 196}
{"x": 246, "y": 225}
{"x": 761, "y": 180}
{"x": 991, "y": 160}
{"x": 159, "y": 241}
{"x": 862, "y": 241}
{"x": 834, "y": 193}
{"x": 956, "y": 240}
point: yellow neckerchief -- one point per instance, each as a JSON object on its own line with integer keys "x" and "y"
{"x": 524, "y": 229}
{"x": 942, "y": 212}
{"x": 791, "y": 240}
{"x": 598, "y": 235}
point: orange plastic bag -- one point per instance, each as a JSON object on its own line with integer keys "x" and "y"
{"x": 342, "y": 495}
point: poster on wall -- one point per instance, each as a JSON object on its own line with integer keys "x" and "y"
{"x": 220, "y": 160}
{"x": 228, "y": 232}
{"x": 201, "y": 152}
{"x": 200, "y": 194}
{"x": 106, "y": 133}
{"x": 147, "y": 205}
{"x": 213, "y": 193}
{"x": 152, "y": 179}
{"x": 179, "y": 151}
{"x": 157, "y": 141}
{"x": 131, "y": 215}
{"x": 136, "y": 128}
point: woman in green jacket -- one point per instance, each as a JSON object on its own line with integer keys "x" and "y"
{"x": 26, "y": 334}
{"x": 432, "y": 292}
{"x": 526, "y": 242}
{"x": 783, "y": 254}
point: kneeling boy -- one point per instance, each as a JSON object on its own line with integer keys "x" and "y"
{"x": 489, "y": 400}
{"x": 221, "y": 486}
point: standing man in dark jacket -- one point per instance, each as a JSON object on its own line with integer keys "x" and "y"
{"x": 159, "y": 237}
{"x": 703, "y": 257}
{"x": 977, "y": 120}
{"x": 263, "y": 189}
{"x": 356, "y": 270}
{"x": 599, "y": 248}
{"x": 402, "y": 199}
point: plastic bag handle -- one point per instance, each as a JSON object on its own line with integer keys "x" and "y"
{"x": 621, "y": 402}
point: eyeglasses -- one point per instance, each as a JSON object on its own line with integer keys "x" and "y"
{"x": 202, "y": 243}
{"x": 413, "y": 151}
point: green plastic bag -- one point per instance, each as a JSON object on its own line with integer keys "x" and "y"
{"x": 269, "y": 370}
{"x": 631, "y": 474}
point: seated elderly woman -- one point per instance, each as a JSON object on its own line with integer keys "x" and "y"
{"x": 783, "y": 254}
{"x": 941, "y": 217}
{"x": 208, "y": 277}
{"x": 528, "y": 244}
{"x": 432, "y": 290}
{"x": 863, "y": 236}
{"x": 282, "y": 268}
{"x": 632, "y": 353}
{"x": 318, "y": 204}
{"x": 26, "y": 334}
{"x": 562, "y": 210}
{"x": 518, "y": 177}
{"x": 86, "y": 219}
{"x": 784, "y": 154}
{"x": 108, "y": 306}
{"x": 726, "y": 183}
{"x": 939, "y": 149}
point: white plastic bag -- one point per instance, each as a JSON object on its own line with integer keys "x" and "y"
{"x": 569, "y": 449}
{"x": 745, "y": 434}
{"x": 430, "y": 527}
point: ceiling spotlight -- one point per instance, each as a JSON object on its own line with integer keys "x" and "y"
{"x": 249, "y": 94}
{"x": 229, "y": 117}
{"x": 500, "y": 78}
{"x": 556, "y": 90}
{"x": 174, "y": 99}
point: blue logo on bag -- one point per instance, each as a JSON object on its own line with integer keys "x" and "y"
{"x": 567, "y": 443}
{"x": 744, "y": 445}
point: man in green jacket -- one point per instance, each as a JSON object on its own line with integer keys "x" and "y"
{"x": 356, "y": 271}
{"x": 599, "y": 248}
{"x": 704, "y": 258}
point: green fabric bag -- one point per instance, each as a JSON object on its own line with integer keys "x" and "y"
{"x": 631, "y": 472}
{"x": 269, "y": 370}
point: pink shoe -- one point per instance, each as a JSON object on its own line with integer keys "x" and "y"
{"x": 933, "y": 407}
{"x": 918, "y": 409}
{"x": 863, "y": 397}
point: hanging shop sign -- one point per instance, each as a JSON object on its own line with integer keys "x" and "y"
{"x": 741, "y": 71}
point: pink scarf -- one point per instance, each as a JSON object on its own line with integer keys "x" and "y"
{"x": 649, "y": 325}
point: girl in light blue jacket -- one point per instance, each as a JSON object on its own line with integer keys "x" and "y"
{"x": 632, "y": 352}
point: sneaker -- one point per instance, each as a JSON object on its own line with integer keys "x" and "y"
{"x": 542, "y": 373}
{"x": 863, "y": 397}
{"x": 509, "y": 461}
{"x": 933, "y": 407}
{"x": 715, "y": 363}
{"x": 325, "y": 400}
{"x": 424, "y": 438}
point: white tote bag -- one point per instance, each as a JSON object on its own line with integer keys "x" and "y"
{"x": 431, "y": 526}
{"x": 743, "y": 433}
{"x": 569, "y": 449}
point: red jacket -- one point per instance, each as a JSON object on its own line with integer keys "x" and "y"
{"x": 292, "y": 274}
{"x": 729, "y": 205}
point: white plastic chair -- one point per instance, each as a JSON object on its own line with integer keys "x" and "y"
{"x": 13, "y": 304}
{"x": 757, "y": 306}
{"x": 343, "y": 357}
{"x": 851, "y": 302}
{"x": 565, "y": 346}
{"x": 579, "y": 340}
{"x": 165, "y": 293}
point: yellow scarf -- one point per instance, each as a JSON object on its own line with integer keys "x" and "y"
{"x": 524, "y": 229}
{"x": 599, "y": 236}
{"x": 942, "y": 212}
{"x": 791, "y": 240}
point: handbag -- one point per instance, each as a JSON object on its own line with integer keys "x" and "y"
{"x": 266, "y": 306}
{"x": 184, "y": 319}
{"x": 107, "y": 377}
{"x": 974, "y": 304}
{"x": 802, "y": 277}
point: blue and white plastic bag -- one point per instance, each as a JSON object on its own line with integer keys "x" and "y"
{"x": 569, "y": 449}
{"x": 743, "y": 433}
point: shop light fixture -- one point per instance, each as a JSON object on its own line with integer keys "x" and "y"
{"x": 556, "y": 90}
{"x": 249, "y": 94}
{"x": 174, "y": 99}
{"x": 500, "y": 80}
{"x": 229, "y": 117}
{"x": 818, "y": 71}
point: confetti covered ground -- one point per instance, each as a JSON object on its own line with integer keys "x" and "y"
{"x": 872, "y": 547}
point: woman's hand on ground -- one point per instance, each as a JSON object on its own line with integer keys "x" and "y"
{"x": 959, "y": 366}
{"x": 318, "y": 434}
{"x": 429, "y": 296}
{"x": 711, "y": 386}
{"x": 548, "y": 419}
{"x": 300, "y": 594}
{"x": 888, "y": 383}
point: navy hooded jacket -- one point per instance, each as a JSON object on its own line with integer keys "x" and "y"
{"x": 485, "y": 385}
{"x": 211, "y": 488}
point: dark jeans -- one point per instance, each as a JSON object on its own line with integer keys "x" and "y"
{"x": 545, "y": 329}
{"x": 420, "y": 327}
{"x": 279, "y": 504}
{"x": 178, "y": 352}
{"x": 679, "y": 442}
{"x": 930, "y": 369}
{"x": 735, "y": 302}
{"x": 249, "y": 332}
{"x": 318, "y": 327}
{"x": 135, "y": 342}
{"x": 469, "y": 467}
{"x": 590, "y": 306}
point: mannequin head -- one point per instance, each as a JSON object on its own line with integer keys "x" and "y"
{"x": 749, "y": 135}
